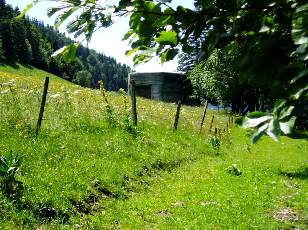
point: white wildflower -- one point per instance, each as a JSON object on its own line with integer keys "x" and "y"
{"x": 9, "y": 83}
{"x": 55, "y": 95}
{"x": 77, "y": 91}
{"x": 5, "y": 91}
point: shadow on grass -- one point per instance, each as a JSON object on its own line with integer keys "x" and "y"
{"x": 27, "y": 66}
{"x": 11, "y": 64}
{"x": 299, "y": 135}
{"x": 15, "y": 65}
{"x": 301, "y": 173}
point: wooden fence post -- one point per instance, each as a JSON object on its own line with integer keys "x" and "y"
{"x": 40, "y": 117}
{"x": 134, "y": 102}
{"x": 211, "y": 124}
{"x": 204, "y": 113}
{"x": 177, "y": 116}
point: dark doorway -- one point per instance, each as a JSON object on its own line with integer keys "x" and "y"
{"x": 143, "y": 91}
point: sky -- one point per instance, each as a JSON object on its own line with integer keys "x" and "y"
{"x": 106, "y": 40}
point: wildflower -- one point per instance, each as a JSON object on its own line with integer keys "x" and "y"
{"x": 4, "y": 91}
{"x": 55, "y": 95}
{"x": 18, "y": 125}
{"x": 9, "y": 83}
{"x": 77, "y": 91}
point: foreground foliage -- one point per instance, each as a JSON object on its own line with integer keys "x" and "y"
{"x": 87, "y": 169}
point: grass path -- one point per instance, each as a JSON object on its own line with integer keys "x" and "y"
{"x": 203, "y": 195}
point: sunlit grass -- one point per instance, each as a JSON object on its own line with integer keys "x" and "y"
{"x": 156, "y": 178}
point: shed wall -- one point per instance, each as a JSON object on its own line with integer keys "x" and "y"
{"x": 164, "y": 86}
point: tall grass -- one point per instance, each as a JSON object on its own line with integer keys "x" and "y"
{"x": 90, "y": 168}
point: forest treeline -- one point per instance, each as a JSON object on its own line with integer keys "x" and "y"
{"x": 28, "y": 41}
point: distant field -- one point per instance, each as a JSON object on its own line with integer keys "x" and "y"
{"x": 90, "y": 168}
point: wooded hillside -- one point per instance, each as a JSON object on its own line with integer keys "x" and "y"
{"x": 29, "y": 41}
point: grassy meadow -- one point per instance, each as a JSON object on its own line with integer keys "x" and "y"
{"x": 90, "y": 168}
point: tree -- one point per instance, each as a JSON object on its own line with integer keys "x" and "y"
{"x": 274, "y": 35}
{"x": 217, "y": 79}
{"x": 83, "y": 78}
{"x": 7, "y": 42}
{"x": 188, "y": 60}
{"x": 6, "y": 11}
{"x": 6, "y": 31}
{"x": 55, "y": 66}
{"x": 22, "y": 46}
{"x": 1, "y": 50}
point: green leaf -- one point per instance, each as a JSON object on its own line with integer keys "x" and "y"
{"x": 264, "y": 29}
{"x": 255, "y": 122}
{"x": 299, "y": 76}
{"x": 130, "y": 52}
{"x": 136, "y": 44}
{"x": 299, "y": 26}
{"x": 164, "y": 1}
{"x": 64, "y": 16}
{"x": 152, "y": 7}
{"x": 286, "y": 112}
{"x": 287, "y": 127}
{"x": 128, "y": 35}
{"x": 273, "y": 129}
{"x": 168, "y": 55}
{"x": 51, "y": 11}
{"x": 257, "y": 135}
{"x": 164, "y": 21}
{"x": 279, "y": 104}
{"x": 27, "y": 8}
{"x": 301, "y": 40}
{"x": 75, "y": 2}
{"x": 134, "y": 20}
{"x": 68, "y": 52}
{"x": 302, "y": 8}
{"x": 124, "y": 3}
{"x": 299, "y": 93}
{"x": 12, "y": 170}
{"x": 141, "y": 58}
{"x": 3, "y": 162}
{"x": 168, "y": 38}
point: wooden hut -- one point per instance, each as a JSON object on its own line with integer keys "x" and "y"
{"x": 162, "y": 86}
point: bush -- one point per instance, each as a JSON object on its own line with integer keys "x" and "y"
{"x": 239, "y": 120}
{"x": 9, "y": 166}
{"x": 256, "y": 114}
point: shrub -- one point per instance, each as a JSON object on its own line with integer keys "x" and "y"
{"x": 215, "y": 142}
{"x": 9, "y": 166}
{"x": 256, "y": 114}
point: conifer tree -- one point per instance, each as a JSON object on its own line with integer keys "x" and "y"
{"x": 1, "y": 50}
{"x": 21, "y": 44}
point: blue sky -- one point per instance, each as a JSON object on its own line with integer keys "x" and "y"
{"x": 106, "y": 40}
